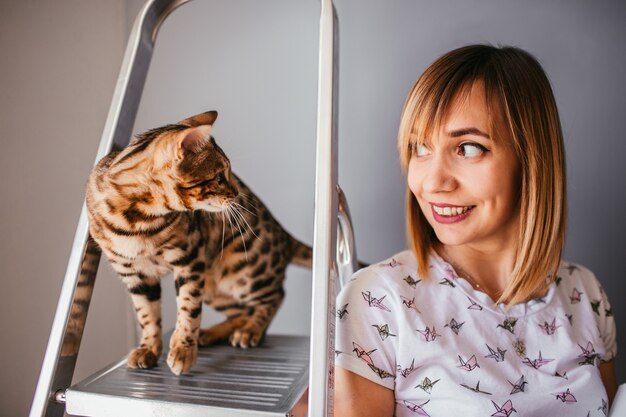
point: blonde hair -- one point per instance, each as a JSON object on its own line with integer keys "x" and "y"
{"x": 518, "y": 90}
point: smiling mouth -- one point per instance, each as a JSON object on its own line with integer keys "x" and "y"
{"x": 451, "y": 214}
{"x": 450, "y": 211}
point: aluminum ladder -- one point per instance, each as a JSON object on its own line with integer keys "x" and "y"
{"x": 223, "y": 381}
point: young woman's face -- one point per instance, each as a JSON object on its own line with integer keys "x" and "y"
{"x": 466, "y": 184}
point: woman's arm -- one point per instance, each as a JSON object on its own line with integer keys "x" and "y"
{"x": 356, "y": 396}
{"x": 607, "y": 372}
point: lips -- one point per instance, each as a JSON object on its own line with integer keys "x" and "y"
{"x": 447, "y": 213}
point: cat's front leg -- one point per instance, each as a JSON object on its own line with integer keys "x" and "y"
{"x": 146, "y": 296}
{"x": 184, "y": 341}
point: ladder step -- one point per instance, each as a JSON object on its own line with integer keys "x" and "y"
{"x": 264, "y": 381}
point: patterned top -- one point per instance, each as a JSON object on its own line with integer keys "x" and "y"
{"x": 446, "y": 349}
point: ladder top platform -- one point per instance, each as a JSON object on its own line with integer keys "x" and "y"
{"x": 267, "y": 380}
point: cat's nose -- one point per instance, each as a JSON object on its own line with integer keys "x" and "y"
{"x": 234, "y": 191}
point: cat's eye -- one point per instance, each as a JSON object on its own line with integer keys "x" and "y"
{"x": 220, "y": 178}
{"x": 471, "y": 150}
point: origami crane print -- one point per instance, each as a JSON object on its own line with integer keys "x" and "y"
{"x": 391, "y": 264}
{"x": 474, "y": 305}
{"x": 575, "y": 297}
{"x": 604, "y": 407}
{"x": 588, "y": 355}
{"x": 470, "y": 364}
{"x": 454, "y": 326}
{"x": 412, "y": 282}
{"x": 558, "y": 280}
{"x": 537, "y": 363}
{"x": 343, "y": 311}
{"x": 380, "y": 372}
{"x": 518, "y": 386}
{"x": 566, "y": 397}
{"x": 427, "y": 385}
{"x": 549, "y": 328}
{"x": 498, "y": 354}
{"x": 417, "y": 409}
{"x": 410, "y": 304}
{"x": 407, "y": 371}
{"x": 570, "y": 318}
{"x": 383, "y": 331}
{"x": 429, "y": 335}
{"x": 363, "y": 354}
{"x": 505, "y": 410}
{"x": 608, "y": 312}
{"x": 447, "y": 282}
{"x": 595, "y": 305}
{"x": 509, "y": 324}
{"x": 476, "y": 389}
{"x": 374, "y": 302}
{"x": 563, "y": 375}
{"x": 571, "y": 268}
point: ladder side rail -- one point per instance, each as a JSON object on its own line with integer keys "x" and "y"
{"x": 62, "y": 350}
{"x": 347, "y": 261}
{"x": 321, "y": 377}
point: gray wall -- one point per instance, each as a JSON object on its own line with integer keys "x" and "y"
{"x": 255, "y": 62}
{"x": 59, "y": 66}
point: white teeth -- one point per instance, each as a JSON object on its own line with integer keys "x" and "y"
{"x": 451, "y": 211}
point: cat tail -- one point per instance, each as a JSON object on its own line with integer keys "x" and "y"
{"x": 301, "y": 254}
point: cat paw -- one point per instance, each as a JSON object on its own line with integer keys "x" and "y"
{"x": 208, "y": 338}
{"x": 245, "y": 338}
{"x": 142, "y": 358}
{"x": 182, "y": 358}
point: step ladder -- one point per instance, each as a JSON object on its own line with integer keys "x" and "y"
{"x": 270, "y": 380}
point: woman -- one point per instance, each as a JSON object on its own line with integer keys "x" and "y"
{"x": 481, "y": 317}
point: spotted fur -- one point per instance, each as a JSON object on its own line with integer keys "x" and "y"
{"x": 169, "y": 203}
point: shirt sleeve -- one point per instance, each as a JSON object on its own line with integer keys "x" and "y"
{"x": 606, "y": 325}
{"x": 366, "y": 343}
{"x": 602, "y": 313}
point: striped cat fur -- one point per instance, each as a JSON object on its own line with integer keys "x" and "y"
{"x": 169, "y": 202}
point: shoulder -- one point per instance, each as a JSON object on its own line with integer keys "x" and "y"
{"x": 387, "y": 273}
{"x": 577, "y": 277}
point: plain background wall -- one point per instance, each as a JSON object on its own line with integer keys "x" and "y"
{"x": 256, "y": 62}
{"x": 59, "y": 65}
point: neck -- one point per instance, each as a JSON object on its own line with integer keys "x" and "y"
{"x": 488, "y": 270}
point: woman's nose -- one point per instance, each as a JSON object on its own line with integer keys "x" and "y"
{"x": 438, "y": 175}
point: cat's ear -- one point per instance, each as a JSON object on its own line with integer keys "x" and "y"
{"x": 191, "y": 140}
{"x": 207, "y": 118}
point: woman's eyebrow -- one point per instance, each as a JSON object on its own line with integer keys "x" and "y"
{"x": 468, "y": 131}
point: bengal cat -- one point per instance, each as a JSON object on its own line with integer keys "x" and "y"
{"x": 169, "y": 202}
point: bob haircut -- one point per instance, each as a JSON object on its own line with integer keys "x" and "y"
{"x": 518, "y": 91}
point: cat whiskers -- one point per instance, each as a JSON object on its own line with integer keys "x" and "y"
{"x": 239, "y": 206}
{"x": 223, "y": 228}
{"x": 235, "y": 215}
{"x": 247, "y": 199}
{"x": 236, "y": 208}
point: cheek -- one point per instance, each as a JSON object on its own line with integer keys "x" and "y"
{"x": 413, "y": 178}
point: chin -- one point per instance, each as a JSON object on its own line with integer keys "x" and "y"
{"x": 451, "y": 239}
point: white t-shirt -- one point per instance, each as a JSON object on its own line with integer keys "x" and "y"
{"x": 448, "y": 350}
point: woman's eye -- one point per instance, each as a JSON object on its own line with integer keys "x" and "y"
{"x": 422, "y": 150}
{"x": 471, "y": 150}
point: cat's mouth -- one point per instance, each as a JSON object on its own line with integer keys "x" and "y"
{"x": 212, "y": 207}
